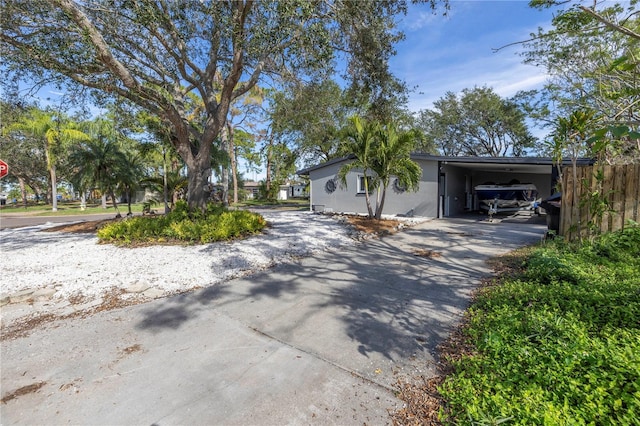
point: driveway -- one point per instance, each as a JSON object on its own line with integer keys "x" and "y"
{"x": 321, "y": 340}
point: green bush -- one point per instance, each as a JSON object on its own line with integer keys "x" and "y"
{"x": 181, "y": 225}
{"x": 558, "y": 344}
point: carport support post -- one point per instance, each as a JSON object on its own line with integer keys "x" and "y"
{"x": 440, "y": 183}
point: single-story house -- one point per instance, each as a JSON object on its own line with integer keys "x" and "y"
{"x": 445, "y": 189}
{"x": 252, "y": 190}
{"x": 298, "y": 191}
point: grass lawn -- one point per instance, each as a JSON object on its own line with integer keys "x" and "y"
{"x": 291, "y": 204}
{"x": 67, "y": 208}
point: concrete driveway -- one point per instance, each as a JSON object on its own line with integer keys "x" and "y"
{"x": 320, "y": 341}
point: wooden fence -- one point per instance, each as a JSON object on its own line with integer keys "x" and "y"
{"x": 607, "y": 197}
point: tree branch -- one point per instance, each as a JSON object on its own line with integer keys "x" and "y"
{"x": 98, "y": 42}
{"x": 612, "y": 25}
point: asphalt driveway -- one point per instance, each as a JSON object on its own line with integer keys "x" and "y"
{"x": 319, "y": 341}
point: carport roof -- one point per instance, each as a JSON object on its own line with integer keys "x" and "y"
{"x": 522, "y": 164}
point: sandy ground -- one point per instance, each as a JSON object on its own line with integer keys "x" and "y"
{"x": 49, "y": 270}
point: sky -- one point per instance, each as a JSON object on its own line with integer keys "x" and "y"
{"x": 455, "y": 52}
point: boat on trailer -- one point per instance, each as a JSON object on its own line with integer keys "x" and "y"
{"x": 507, "y": 197}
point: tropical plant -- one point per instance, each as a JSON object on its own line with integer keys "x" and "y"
{"x": 359, "y": 141}
{"x": 99, "y": 163}
{"x": 553, "y": 343}
{"x": 131, "y": 169}
{"x": 173, "y": 182}
{"x": 592, "y": 57}
{"x": 380, "y": 152}
{"x": 214, "y": 224}
{"x": 26, "y": 153}
{"x": 392, "y": 157}
{"x": 57, "y": 132}
{"x": 569, "y": 138}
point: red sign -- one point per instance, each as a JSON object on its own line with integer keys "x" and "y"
{"x": 4, "y": 169}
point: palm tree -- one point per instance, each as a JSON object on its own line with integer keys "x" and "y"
{"x": 381, "y": 152}
{"x": 171, "y": 182}
{"x": 129, "y": 177}
{"x": 99, "y": 164}
{"x": 392, "y": 157}
{"x": 54, "y": 132}
{"x": 360, "y": 142}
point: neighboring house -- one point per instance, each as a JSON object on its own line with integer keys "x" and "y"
{"x": 298, "y": 191}
{"x": 252, "y": 190}
{"x": 446, "y": 187}
{"x": 283, "y": 192}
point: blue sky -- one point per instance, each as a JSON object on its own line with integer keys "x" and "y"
{"x": 454, "y": 52}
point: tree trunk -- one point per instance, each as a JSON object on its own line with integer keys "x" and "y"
{"x": 198, "y": 171}
{"x": 232, "y": 158}
{"x": 52, "y": 176}
{"x": 165, "y": 188}
{"x": 367, "y": 198}
{"x": 54, "y": 189}
{"x": 268, "y": 176}
{"x": 129, "y": 201}
{"x": 574, "y": 195}
{"x": 224, "y": 170}
{"x": 23, "y": 191}
{"x": 380, "y": 201}
{"x": 115, "y": 204}
{"x": 104, "y": 201}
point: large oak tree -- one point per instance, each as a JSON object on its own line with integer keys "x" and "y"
{"x": 159, "y": 53}
{"x": 477, "y": 122}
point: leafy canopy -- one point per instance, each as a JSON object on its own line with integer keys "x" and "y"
{"x": 160, "y": 54}
{"x": 478, "y": 122}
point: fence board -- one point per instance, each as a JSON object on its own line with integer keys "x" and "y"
{"x": 621, "y": 189}
{"x": 607, "y": 188}
{"x": 617, "y": 218}
{"x": 635, "y": 199}
{"x": 584, "y": 212}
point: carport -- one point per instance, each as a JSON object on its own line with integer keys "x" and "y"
{"x": 458, "y": 176}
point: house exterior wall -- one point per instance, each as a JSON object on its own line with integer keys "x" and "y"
{"x": 343, "y": 199}
{"x": 454, "y": 194}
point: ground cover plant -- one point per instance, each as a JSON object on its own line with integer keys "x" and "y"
{"x": 557, "y": 342}
{"x": 183, "y": 225}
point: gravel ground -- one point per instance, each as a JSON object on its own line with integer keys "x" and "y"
{"x": 75, "y": 265}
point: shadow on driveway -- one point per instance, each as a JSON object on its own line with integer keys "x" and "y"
{"x": 374, "y": 309}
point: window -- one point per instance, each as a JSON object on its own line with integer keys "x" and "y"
{"x": 361, "y": 184}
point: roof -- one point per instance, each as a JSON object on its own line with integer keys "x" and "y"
{"x": 541, "y": 161}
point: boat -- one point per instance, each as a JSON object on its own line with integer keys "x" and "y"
{"x": 507, "y": 197}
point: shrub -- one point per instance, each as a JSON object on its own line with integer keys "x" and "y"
{"x": 557, "y": 344}
{"x": 181, "y": 225}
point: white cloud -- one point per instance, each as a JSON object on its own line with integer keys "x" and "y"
{"x": 441, "y": 54}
